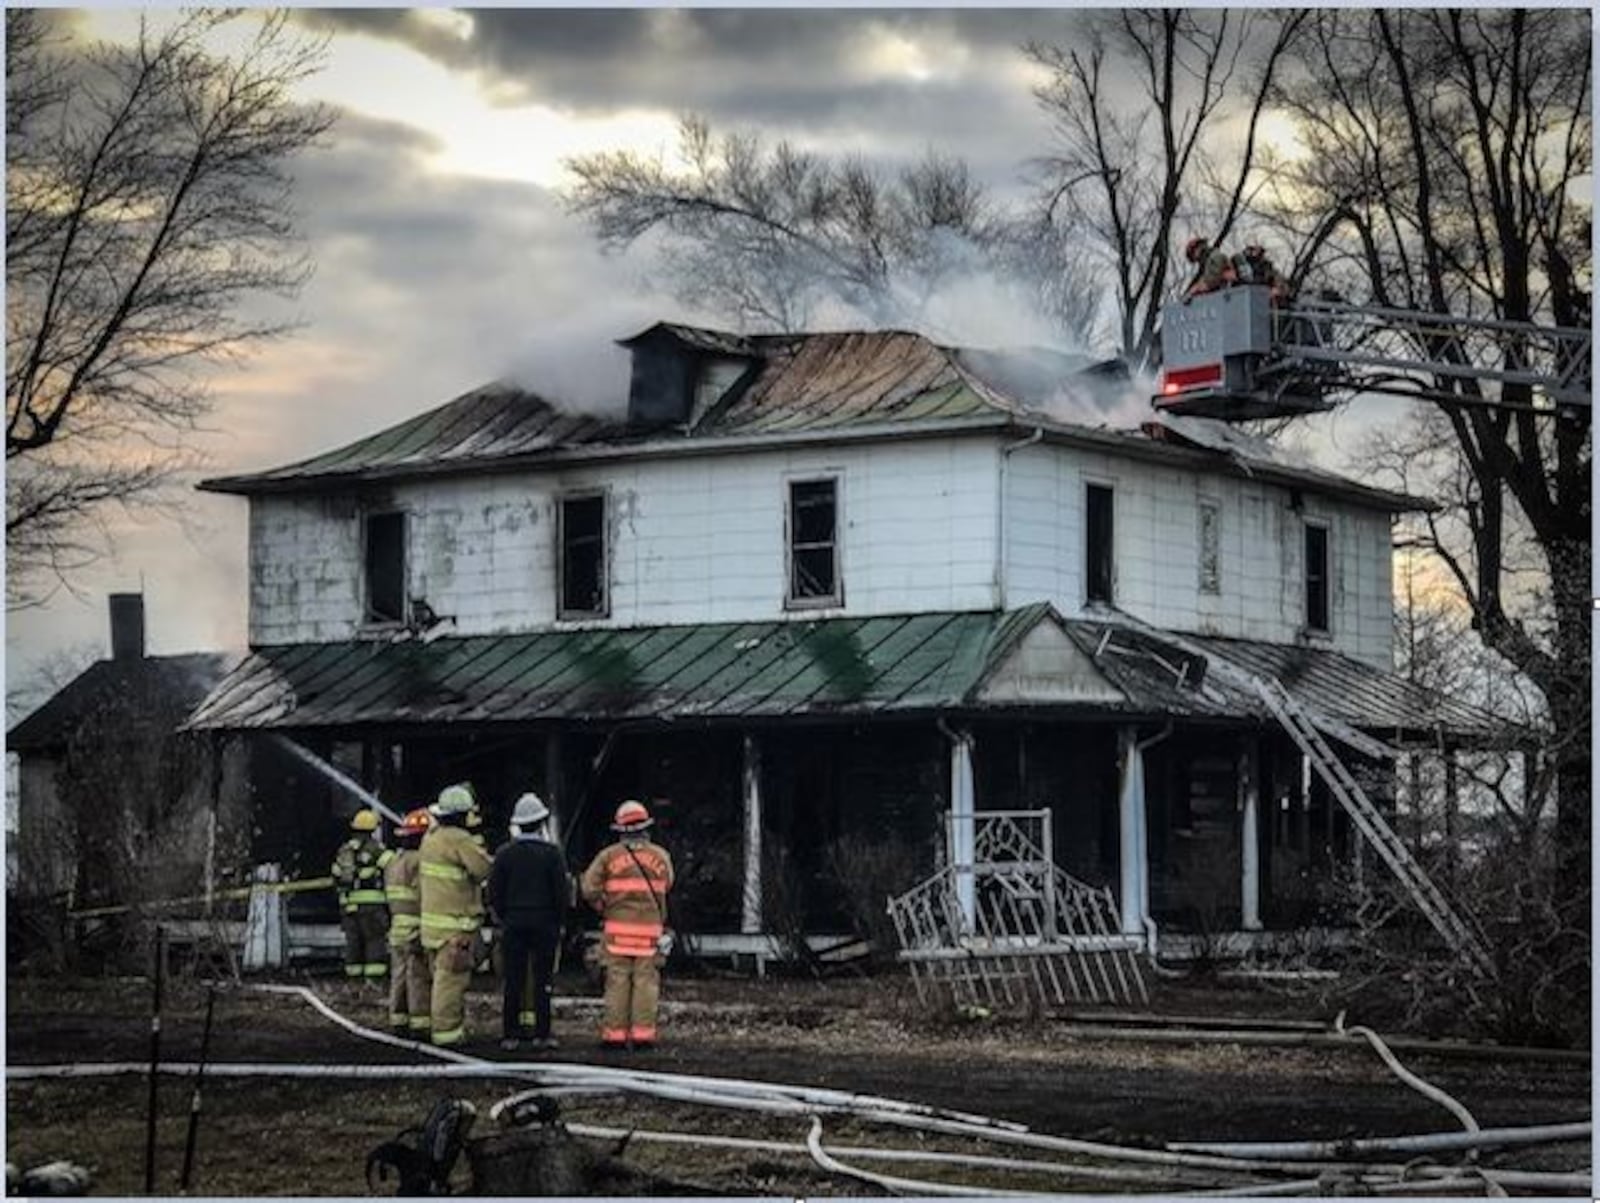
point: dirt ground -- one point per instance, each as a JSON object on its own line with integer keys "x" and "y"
{"x": 310, "y": 1137}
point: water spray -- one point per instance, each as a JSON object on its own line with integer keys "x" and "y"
{"x": 327, "y": 770}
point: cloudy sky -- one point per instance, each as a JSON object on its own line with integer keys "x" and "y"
{"x": 443, "y": 255}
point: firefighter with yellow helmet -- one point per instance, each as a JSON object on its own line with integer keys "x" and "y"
{"x": 628, "y": 883}
{"x": 451, "y": 873}
{"x": 408, "y": 978}
{"x": 357, "y": 874}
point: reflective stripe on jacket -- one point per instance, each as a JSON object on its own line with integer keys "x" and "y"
{"x": 405, "y": 901}
{"x": 628, "y": 883}
{"x": 358, "y": 872}
{"x": 451, "y": 866}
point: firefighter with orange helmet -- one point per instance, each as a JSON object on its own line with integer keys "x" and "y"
{"x": 358, "y": 877}
{"x": 628, "y": 883}
{"x": 408, "y": 976}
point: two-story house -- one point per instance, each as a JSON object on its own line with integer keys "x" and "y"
{"x": 812, "y": 589}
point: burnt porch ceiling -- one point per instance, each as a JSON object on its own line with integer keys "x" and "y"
{"x": 1028, "y": 658}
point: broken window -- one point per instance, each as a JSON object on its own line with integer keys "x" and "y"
{"x": 583, "y": 556}
{"x": 1210, "y": 548}
{"x": 1099, "y": 568}
{"x": 1316, "y": 578}
{"x": 386, "y": 567}
{"x": 813, "y": 543}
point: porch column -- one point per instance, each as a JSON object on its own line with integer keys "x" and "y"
{"x": 552, "y": 784}
{"x": 1249, "y": 835}
{"x": 1133, "y": 844}
{"x": 963, "y": 825}
{"x": 750, "y": 913}
{"x": 1452, "y": 813}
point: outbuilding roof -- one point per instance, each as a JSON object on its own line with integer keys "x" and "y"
{"x": 131, "y": 694}
{"x": 884, "y": 666}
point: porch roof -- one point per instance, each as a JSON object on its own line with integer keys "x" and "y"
{"x": 969, "y": 662}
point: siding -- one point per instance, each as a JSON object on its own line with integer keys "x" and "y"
{"x": 1261, "y": 551}
{"x": 690, "y": 541}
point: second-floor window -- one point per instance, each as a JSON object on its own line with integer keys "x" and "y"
{"x": 814, "y": 543}
{"x": 1099, "y": 568}
{"x": 386, "y": 567}
{"x": 582, "y": 575}
{"x": 1316, "y": 578}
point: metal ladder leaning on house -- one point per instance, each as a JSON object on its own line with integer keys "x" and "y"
{"x": 1301, "y": 726}
{"x": 1457, "y": 933}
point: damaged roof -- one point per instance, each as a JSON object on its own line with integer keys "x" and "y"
{"x": 813, "y": 387}
{"x": 845, "y": 667}
{"x": 133, "y": 693}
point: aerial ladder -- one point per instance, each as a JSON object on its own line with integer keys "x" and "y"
{"x": 1240, "y": 354}
{"x": 1235, "y": 354}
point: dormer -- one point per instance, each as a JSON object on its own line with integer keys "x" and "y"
{"x": 680, "y": 372}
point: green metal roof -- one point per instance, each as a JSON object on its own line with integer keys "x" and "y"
{"x": 727, "y": 670}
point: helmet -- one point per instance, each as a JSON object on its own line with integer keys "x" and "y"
{"x": 365, "y": 820}
{"x": 529, "y": 812}
{"x": 453, "y": 800}
{"x": 416, "y": 822}
{"x": 1195, "y": 247}
{"x": 631, "y": 816}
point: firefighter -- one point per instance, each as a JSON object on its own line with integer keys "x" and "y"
{"x": 358, "y": 877}
{"x": 450, "y": 877}
{"x": 408, "y": 988}
{"x": 528, "y": 895}
{"x": 1213, "y": 268}
{"x": 1253, "y": 266}
{"x": 628, "y": 883}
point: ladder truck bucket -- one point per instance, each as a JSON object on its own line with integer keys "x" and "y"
{"x": 1218, "y": 352}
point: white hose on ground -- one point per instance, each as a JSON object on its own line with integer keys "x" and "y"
{"x": 904, "y": 1185}
{"x": 1426, "y": 1089}
{"x": 739, "y": 1093}
{"x": 874, "y": 1153}
{"x": 1439, "y": 1142}
{"x": 806, "y": 1094}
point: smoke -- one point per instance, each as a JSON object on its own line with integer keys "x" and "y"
{"x": 576, "y": 365}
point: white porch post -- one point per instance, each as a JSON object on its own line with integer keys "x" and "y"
{"x": 963, "y": 825}
{"x": 1249, "y": 835}
{"x": 1133, "y": 844}
{"x": 266, "y": 930}
{"x": 750, "y": 913}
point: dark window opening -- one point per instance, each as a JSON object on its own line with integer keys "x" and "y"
{"x": 1316, "y": 578}
{"x": 813, "y": 541}
{"x": 583, "y": 555}
{"x": 1098, "y": 539}
{"x": 386, "y": 568}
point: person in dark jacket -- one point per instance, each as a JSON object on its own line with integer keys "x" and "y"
{"x": 528, "y": 893}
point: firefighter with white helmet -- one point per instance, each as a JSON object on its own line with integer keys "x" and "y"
{"x": 628, "y": 883}
{"x": 529, "y": 891}
{"x": 450, "y": 876}
{"x": 357, "y": 874}
{"x": 408, "y": 977}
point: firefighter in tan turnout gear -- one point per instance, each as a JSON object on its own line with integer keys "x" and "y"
{"x": 628, "y": 883}
{"x": 358, "y": 877}
{"x": 453, "y": 867}
{"x": 408, "y": 971}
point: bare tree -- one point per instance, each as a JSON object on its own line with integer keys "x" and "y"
{"x": 1449, "y": 178}
{"x": 767, "y": 234}
{"x": 1147, "y": 109}
{"x": 147, "y": 198}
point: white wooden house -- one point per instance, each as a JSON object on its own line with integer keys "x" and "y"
{"x": 807, "y": 587}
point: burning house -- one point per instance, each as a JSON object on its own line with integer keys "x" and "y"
{"x": 823, "y": 593}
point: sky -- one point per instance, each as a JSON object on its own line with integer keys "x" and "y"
{"x": 445, "y": 259}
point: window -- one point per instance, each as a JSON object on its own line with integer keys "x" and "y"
{"x": 1210, "y": 548}
{"x": 813, "y": 543}
{"x": 1316, "y": 578}
{"x": 583, "y": 556}
{"x": 1098, "y": 573}
{"x": 386, "y": 567}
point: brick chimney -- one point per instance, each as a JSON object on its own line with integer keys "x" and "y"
{"x": 127, "y": 626}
